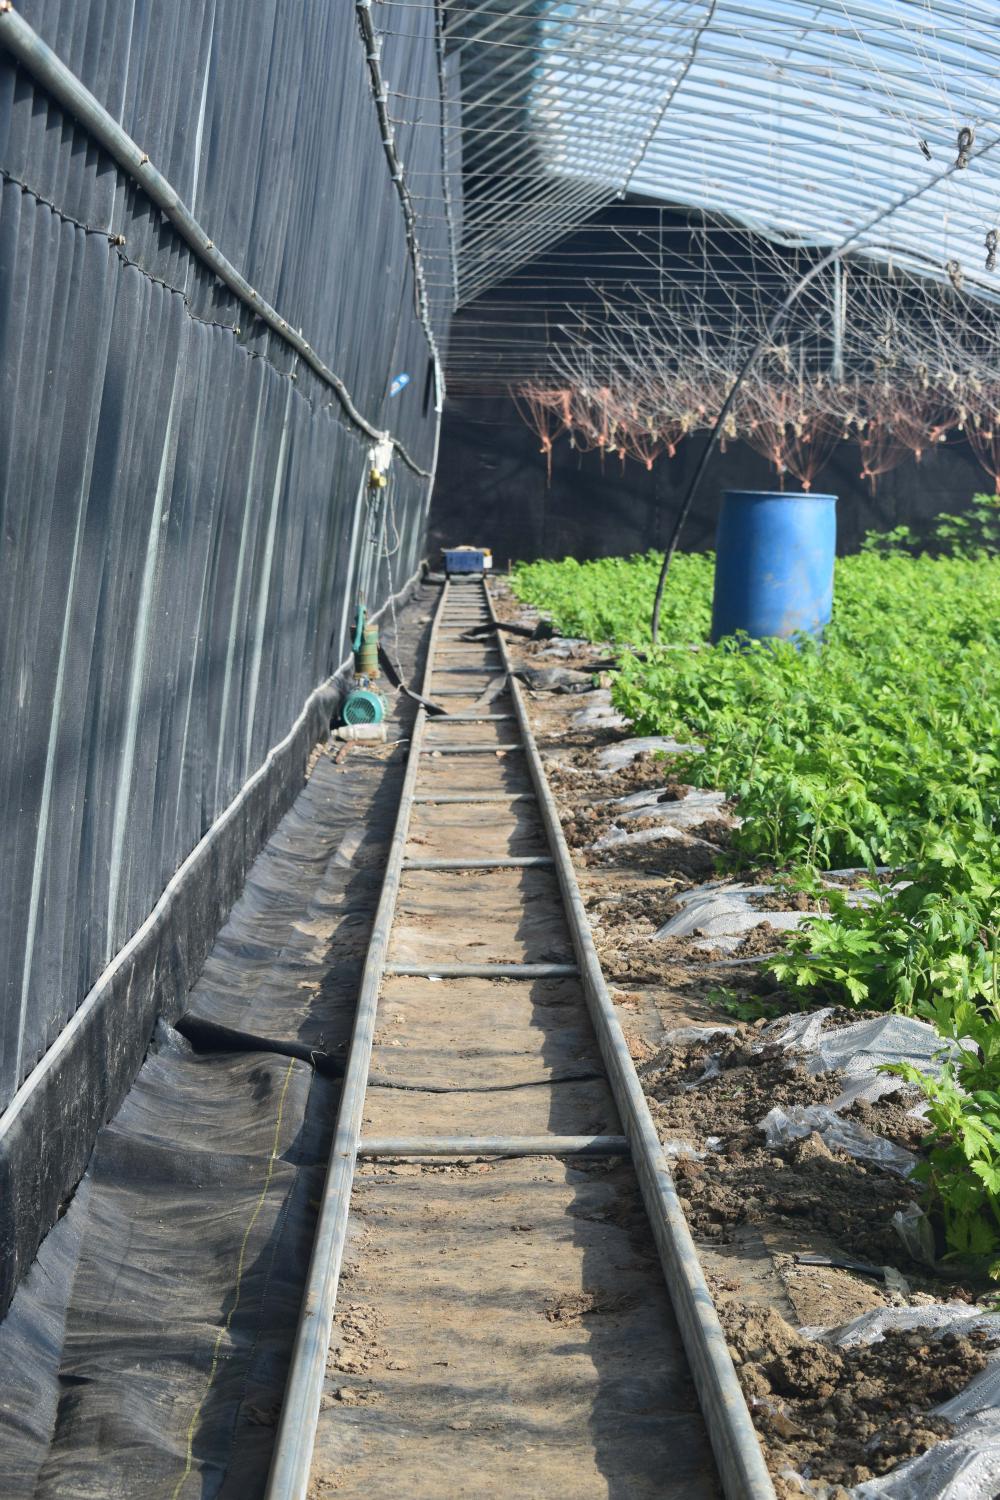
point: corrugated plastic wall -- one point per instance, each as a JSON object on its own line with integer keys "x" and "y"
{"x": 178, "y": 493}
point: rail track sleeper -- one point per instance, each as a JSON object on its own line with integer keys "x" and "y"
{"x": 446, "y": 747}
{"x": 473, "y": 719}
{"x": 482, "y": 971}
{"x": 448, "y": 798}
{"x": 468, "y": 671}
{"x": 495, "y": 1145}
{"x": 506, "y": 862}
{"x": 464, "y": 692}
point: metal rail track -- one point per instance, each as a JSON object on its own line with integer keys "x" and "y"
{"x": 734, "y": 1442}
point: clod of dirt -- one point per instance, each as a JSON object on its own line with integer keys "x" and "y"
{"x": 759, "y": 940}
{"x": 631, "y": 958}
{"x": 355, "y": 1345}
{"x": 843, "y": 1416}
{"x": 782, "y": 900}
{"x": 723, "y": 1088}
{"x": 579, "y": 778}
{"x": 574, "y": 1306}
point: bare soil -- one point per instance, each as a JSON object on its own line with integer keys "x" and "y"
{"x": 743, "y": 1181}
{"x": 845, "y": 1416}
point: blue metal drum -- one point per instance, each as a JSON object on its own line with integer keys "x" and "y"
{"x": 774, "y": 564}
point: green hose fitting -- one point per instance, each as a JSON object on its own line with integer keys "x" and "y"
{"x": 365, "y": 646}
{"x": 366, "y": 657}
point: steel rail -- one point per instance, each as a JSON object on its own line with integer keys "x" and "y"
{"x": 730, "y": 1428}
{"x": 48, "y": 69}
{"x": 291, "y": 1460}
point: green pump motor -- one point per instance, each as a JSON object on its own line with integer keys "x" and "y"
{"x": 364, "y": 704}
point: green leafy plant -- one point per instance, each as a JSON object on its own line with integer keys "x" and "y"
{"x": 610, "y": 599}
{"x": 899, "y": 539}
{"x": 877, "y": 749}
{"x": 744, "y": 1007}
{"x": 973, "y": 533}
{"x": 961, "y": 1165}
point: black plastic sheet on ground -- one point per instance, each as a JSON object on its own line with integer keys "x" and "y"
{"x": 182, "y": 503}
{"x": 145, "y": 1352}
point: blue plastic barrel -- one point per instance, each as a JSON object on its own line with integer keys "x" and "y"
{"x": 774, "y": 564}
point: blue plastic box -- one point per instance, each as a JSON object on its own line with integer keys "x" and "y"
{"x": 466, "y": 559}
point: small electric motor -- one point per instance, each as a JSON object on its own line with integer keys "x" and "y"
{"x": 364, "y": 704}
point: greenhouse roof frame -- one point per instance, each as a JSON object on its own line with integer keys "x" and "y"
{"x": 800, "y": 119}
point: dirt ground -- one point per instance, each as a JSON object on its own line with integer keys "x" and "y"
{"x": 795, "y": 1236}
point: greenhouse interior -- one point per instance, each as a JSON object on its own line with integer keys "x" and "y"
{"x": 500, "y": 795}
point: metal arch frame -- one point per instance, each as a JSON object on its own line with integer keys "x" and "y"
{"x": 837, "y": 92}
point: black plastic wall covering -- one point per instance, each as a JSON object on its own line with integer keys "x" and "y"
{"x": 185, "y": 516}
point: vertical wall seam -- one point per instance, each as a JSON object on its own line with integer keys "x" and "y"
{"x": 264, "y": 594}
{"x": 123, "y": 792}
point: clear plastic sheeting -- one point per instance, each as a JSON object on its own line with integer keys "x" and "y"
{"x": 781, "y": 1126}
{"x": 558, "y": 104}
{"x": 671, "y": 819}
{"x": 965, "y": 1466}
{"x": 720, "y": 916}
{"x": 861, "y": 1048}
{"x": 598, "y": 712}
{"x": 614, "y": 757}
{"x": 802, "y": 120}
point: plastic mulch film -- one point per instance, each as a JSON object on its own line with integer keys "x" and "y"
{"x": 720, "y": 916}
{"x": 861, "y": 1048}
{"x": 152, "y": 1361}
{"x": 781, "y": 1126}
{"x": 965, "y": 1466}
{"x": 145, "y": 1351}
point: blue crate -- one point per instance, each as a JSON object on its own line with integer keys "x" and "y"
{"x": 464, "y": 560}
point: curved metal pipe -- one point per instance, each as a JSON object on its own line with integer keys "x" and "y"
{"x": 770, "y": 329}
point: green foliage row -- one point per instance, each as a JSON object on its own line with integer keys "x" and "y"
{"x": 611, "y": 599}
{"x": 879, "y": 748}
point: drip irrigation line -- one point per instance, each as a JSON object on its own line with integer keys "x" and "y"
{"x": 48, "y": 69}
{"x": 764, "y": 340}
